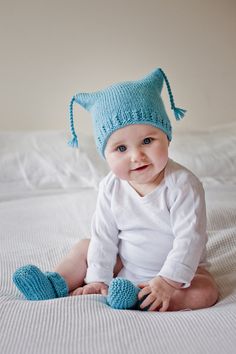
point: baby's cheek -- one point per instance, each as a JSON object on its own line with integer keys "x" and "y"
{"x": 162, "y": 159}
{"x": 163, "y": 162}
{"x": 119, "y": 170}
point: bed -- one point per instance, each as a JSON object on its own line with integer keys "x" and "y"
{"x": 47, "y": 198}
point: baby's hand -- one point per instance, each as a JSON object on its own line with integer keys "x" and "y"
{"x": 158, "y": 294}
{"x": 92, "y": 288}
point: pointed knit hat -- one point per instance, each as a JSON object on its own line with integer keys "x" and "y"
{"x": 126, "y": 103}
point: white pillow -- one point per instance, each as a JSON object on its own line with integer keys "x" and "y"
{"x": 32, "y": 162}
{"x": 210, "y": 154}
{"x": 36, "y": 162}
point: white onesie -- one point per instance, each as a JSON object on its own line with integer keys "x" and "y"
{"x": 162, "y": 233}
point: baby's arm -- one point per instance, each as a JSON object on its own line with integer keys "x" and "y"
{"x": 103, "y": 247}
{"x": 188, "y": 222}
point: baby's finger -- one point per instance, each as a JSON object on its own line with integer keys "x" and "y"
{"x": 165, "y": 306}
{"x": 104, "y": 291}
{"x": 88, "y": 290}
{"x": 145, "y": 291}
{"x": 142, "y": 285}
{"x": 148, "y": 301}
{"x": 155, "y": 305}
{"x": 78, "y": 291}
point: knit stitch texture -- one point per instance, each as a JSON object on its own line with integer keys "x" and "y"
{"x": 122, "y": 294}
{"x": 36, "y": 285}
{"x": 125, "y": 103}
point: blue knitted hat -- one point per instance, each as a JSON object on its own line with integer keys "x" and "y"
{"x": 125, "y": 103}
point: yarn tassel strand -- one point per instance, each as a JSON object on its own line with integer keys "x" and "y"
{"x": 74, "y": 141}
{"x": 179, "y": 113}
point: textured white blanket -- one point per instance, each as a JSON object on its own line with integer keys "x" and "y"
{"x": 47, "y": 197}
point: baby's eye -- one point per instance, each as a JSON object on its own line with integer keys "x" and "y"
{"x": 147, "y": 141}
{"x": 121, "y": 148}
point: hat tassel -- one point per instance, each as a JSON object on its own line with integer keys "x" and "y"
{"x": 74, "y": 141}
{"x": 178, "y": 112}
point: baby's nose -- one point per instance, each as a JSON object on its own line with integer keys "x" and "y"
{"x": 136, "y": 155}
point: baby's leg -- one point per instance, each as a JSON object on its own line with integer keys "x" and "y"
{"x": 73, "y": 266}
{"x": 68, "y": 275}
{"x": 202, "y": 293}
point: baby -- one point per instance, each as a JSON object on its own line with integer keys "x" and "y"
{"x": 148, "y": 232}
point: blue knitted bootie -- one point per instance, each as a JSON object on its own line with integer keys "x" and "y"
{"x": 36, "y": 285}
{"x": 122, "y": 294}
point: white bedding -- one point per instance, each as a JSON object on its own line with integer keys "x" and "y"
{"x": 47, "y": 197}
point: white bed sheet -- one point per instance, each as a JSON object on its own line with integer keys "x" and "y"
{"x": 47, "y": 197}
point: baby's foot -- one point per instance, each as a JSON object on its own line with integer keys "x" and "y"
{"x": 122, "y": 294}
{"x": 36, "y": 285}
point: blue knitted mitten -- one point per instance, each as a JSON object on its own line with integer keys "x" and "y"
{"x": 122, "y": 294}
{"x": 36, "y": 285}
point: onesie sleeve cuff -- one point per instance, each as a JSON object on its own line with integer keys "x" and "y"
{"x": 96, "y": 273}
{"x": 178, "y": 272}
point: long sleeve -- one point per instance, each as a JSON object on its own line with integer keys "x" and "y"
{"x": 188, "y": 221}
{"x": 103, "y": 246}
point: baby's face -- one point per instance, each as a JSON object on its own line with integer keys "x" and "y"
{"x": 137, "y": 153}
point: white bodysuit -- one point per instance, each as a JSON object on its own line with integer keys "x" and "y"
{"x": 162, "y": 233}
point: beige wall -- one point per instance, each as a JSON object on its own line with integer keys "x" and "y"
{"x": 50, "y": 49}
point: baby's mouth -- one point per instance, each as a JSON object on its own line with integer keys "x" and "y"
{"x": 141, "y": 168}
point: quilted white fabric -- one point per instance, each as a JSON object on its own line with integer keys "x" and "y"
{"x": 47, "y": 197}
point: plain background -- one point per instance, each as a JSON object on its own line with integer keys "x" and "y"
{"x": 51, "y": 49}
